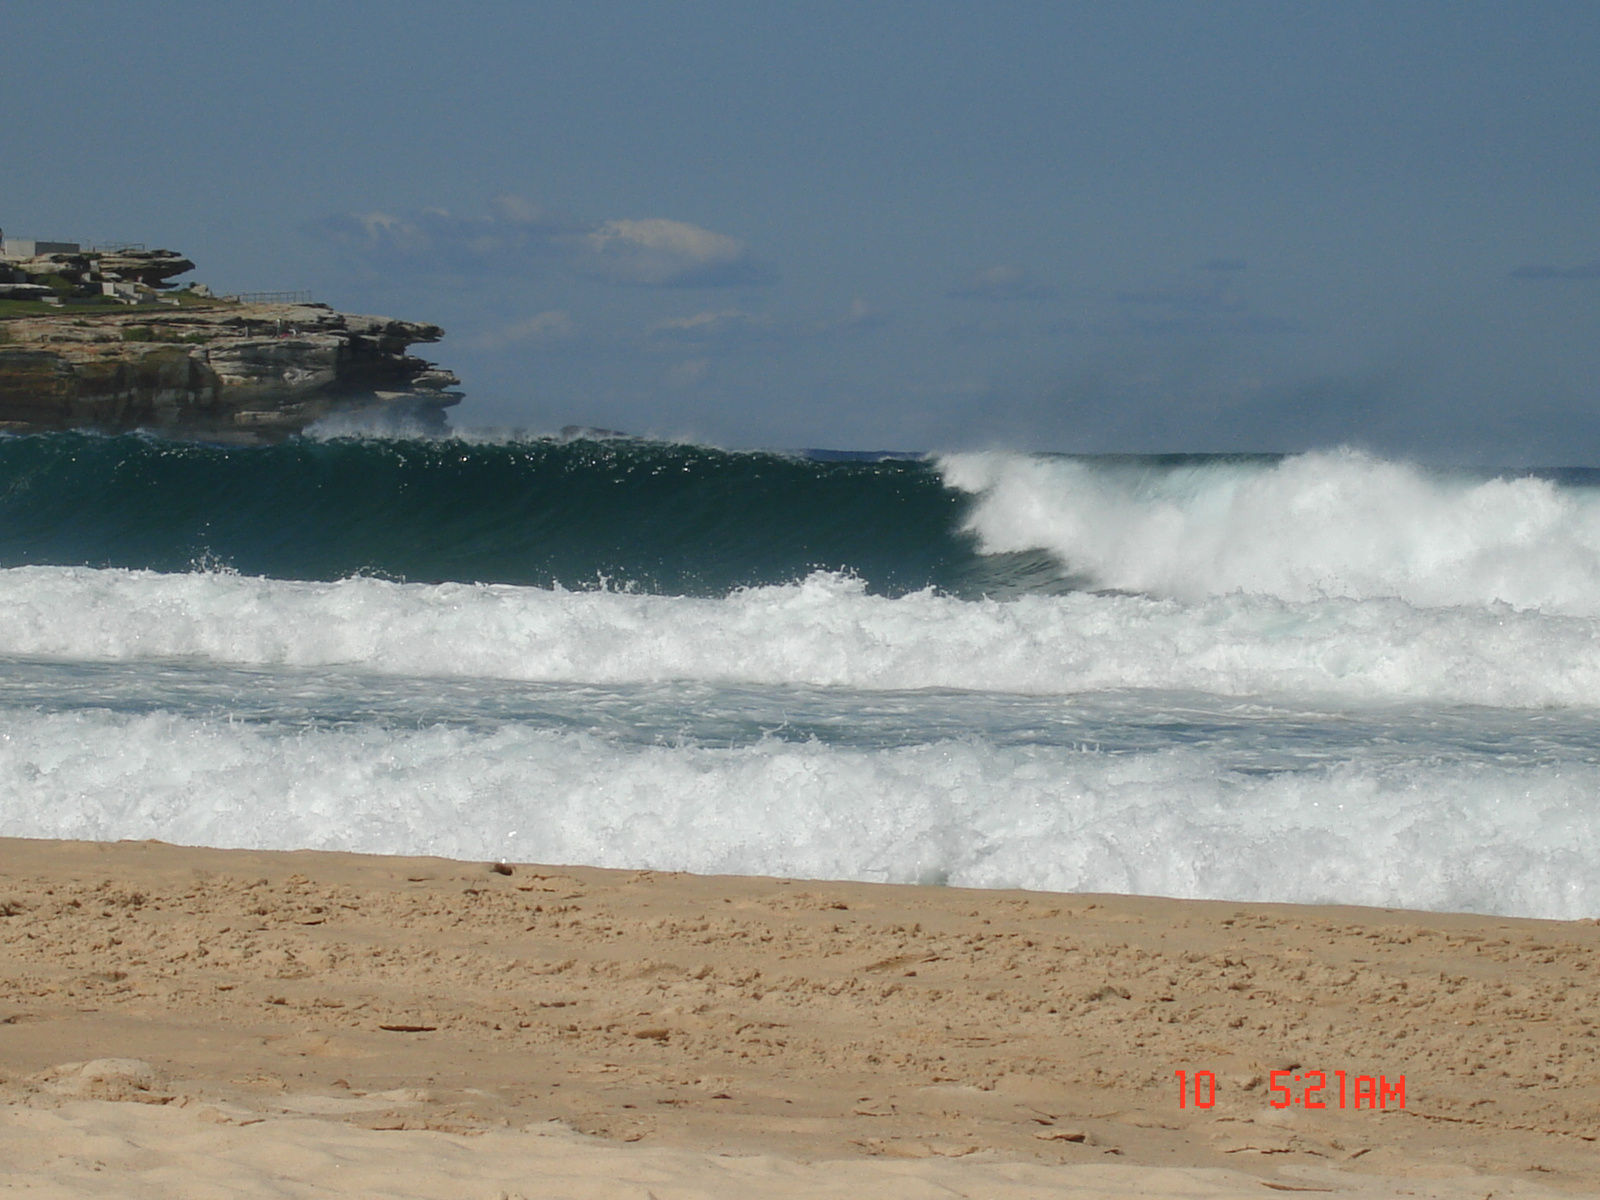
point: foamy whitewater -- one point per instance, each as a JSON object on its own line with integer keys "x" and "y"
{"x": 1322, "y": 678}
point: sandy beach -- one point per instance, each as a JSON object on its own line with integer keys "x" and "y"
{"x": 193, "y": 1022}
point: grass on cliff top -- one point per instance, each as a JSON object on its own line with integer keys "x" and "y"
{"x": 105, "y": 307}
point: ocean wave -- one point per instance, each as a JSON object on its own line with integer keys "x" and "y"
{"x": 1330, "y": 524}
{"x": 1512, "y": 840}
{"x": 685, "y": 520}
{"x": 825, "y": 631}
{"x": 657, "y": 517}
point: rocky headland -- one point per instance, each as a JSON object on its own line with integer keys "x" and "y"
{"x": 79, "y": 350}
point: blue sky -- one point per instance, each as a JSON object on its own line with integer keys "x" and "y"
{"x": 1098, "y": 227}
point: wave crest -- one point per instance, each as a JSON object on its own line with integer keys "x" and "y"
{"x": 1332, "y": 524}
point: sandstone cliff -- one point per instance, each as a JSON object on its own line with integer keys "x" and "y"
{"x": 237, "y": 372}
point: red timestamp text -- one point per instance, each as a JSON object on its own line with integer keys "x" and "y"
{"x": 1304, "y": 1089}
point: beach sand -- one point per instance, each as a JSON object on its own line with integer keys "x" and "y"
{"x": 309, "y": 1024}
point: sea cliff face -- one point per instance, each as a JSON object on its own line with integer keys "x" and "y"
{"x": 234, "y": 372}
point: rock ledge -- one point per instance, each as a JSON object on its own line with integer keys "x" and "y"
{"x": 225, "y": 371}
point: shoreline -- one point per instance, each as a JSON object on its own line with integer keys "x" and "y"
{"x": 807, "y": 1020}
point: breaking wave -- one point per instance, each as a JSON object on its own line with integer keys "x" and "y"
{"x": 1318, "y": 525}
{"x": 683, "y": 520}
{"x": 826, "y": 630}
{"x": 1518, "y": 841}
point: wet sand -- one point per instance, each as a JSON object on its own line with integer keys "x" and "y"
{"x": 303, "y": 1017}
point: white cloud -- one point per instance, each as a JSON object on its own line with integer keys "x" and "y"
{"x": 859, "y": 318}
{"x": 1003, "y": 282}
{"x": 546, "y": 328}
{"x": 658, "y": 252}
{"x": 521, "y": 237}
{"x": 730, "y": 328}
{"x": 722, "y": 325}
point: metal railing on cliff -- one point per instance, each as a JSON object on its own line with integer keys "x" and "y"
{"x": 271, "y": 297}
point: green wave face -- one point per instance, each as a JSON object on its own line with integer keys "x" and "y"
{"x": 663, "y": 518}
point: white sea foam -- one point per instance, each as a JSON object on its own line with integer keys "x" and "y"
{"x": 1338, "y": 523}
{"x": 825, "y": 631}
{"x": 1175, "y": 822}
